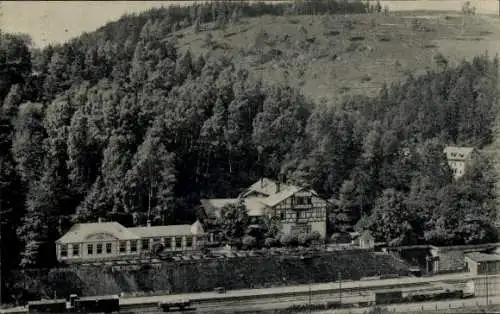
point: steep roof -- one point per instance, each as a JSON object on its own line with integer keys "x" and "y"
{"x": 264, "y": 186}
{"x": 259, "y": 196}
{"x": 457, "y": 152}
{"x": 213, "y": 207}
{"x": 367, "y": 235}
{"x": 162, "y": 231}
{"x": 482, "y": 257}
{"x": 79, "y": 232}
{"x": 279, "y": 197}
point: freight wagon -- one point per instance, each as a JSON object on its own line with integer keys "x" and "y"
{"x": 75, "y": 304}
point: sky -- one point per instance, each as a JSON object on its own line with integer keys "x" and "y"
{"x": 57, "y": 21}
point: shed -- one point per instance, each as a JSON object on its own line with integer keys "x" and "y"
{"x": 482, "y": 263}
{"x": 364, "y": 240}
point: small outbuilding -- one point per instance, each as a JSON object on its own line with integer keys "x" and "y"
{"x": 482, "y": 264}
{"x": 363, "y": 240}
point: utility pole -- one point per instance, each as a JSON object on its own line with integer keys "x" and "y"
{"x": 340, "y": 287}
{"x": 486, "y": 283}
{"x": 310, "y": 292}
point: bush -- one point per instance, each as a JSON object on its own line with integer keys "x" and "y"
{"x": 289, "y": 240}
{"x": 303, "y": 239}
{"x": 249, "y": 242}
{"x": 366, "y": 78}
{"x": 270, "y": 242}
{"x": 314, "y": 236}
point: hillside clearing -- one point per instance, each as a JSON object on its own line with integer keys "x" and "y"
{"x": 331, "y": 56}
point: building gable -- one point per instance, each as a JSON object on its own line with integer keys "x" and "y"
{"x": 101, "y": 236}
{"x": 93, "y": 231}
{"x": 458, "y": 153}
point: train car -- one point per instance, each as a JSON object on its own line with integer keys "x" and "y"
{"x": 176, "y": 304}
{"x": 435, "y": 292}
{"x": 47, "y": 306}
{"x": 97, "y": 304}
{"x": 388, "y": 296}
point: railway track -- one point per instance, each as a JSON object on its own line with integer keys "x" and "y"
{"x": 282, "y": 297}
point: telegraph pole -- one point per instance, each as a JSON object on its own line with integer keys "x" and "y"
{"x": 310, "y": 292}
{"x": 486, "y": 283}
{"x": 340, "y": 287}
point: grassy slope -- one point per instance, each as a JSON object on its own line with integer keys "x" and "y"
{"x": 330, "y": 56}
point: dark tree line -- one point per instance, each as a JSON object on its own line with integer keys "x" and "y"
{"x": 118, "y": 124}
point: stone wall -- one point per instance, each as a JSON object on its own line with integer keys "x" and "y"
{"x": 205, "y": 275}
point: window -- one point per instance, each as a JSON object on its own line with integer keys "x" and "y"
{"x": 99, "y": 248}
{"x": 303, "y": 200}
{"x": 178, "y": 242}
{"x": 76, "y": 250}
{"x": 64, "y": 250}
{"x": 123, "y": 246}
{"x": 145, "y": 244}
{"x": 90, "y": 249}
{"x": 167, "y": 242}
{"x": 189, "y": 241}
{"x": 297, "y": 215}
{"x": 108, "y": 248}
{"x": 133, "y": 246}
{"x": 282, "y": 215}
{"x": 298, "y": 201}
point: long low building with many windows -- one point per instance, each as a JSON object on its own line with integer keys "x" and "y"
{"x": 111, "y": 240}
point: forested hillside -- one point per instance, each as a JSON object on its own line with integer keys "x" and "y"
{"x": 119, "y": 122}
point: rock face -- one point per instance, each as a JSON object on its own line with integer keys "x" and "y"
{"x": 205, "y": 275}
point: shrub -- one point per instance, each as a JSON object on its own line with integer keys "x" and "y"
{"x": 331, "y": 33}
{"x": 270, "y": 242}
{"x": 314, "y": 236}
{"x": 303, "y": 239}
{"x": 289, "y": 240}
{"x": 356, "y": 38}
{"x": 249, "y": 242}
{"x": 366, "y": 78}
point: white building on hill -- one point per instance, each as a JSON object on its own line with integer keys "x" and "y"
{"x": 459, "y": 158}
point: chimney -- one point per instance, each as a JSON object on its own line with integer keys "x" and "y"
{"x": 278, "y": 186}
{"x": 148, "y": 223}
{"x": 262, "y": 179}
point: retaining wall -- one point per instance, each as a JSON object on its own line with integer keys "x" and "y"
{"x": 205, "y": 275}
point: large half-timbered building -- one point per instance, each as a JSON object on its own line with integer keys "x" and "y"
{"x": 299, "y": 209}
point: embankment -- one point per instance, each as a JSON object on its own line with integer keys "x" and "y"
{"x": 205, "y": 275}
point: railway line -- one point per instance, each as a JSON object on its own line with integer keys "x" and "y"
{"x": 355, "y": 293}
{"x": 298, "y": 290}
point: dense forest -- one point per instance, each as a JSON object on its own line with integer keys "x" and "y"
{"x": 118, "y": 124}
